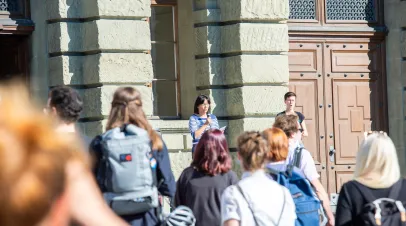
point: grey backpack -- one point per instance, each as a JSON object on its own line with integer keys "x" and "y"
{"x": 128, "y": 171}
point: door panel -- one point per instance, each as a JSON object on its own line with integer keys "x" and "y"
{"x": 355, "y": 61}
{"x": 352, "y": 117}
{"x": 305, "y": 65}
{"x": 343, "y": 177}
{"x": 303, "y": 60}
{"x": 353, "y": 91}
{"x": 321, "y": 169}
{"x": 308, "y": 106}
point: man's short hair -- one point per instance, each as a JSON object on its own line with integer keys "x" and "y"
{"x": 289, "y": 94}
{"x": 287, "y": 123}
{"x": 67, "y": 102}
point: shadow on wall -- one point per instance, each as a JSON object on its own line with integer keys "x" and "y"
{"x": 216, "y": 62}
{"x": 82, "y": 40}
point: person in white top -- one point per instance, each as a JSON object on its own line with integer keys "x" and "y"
{"x": 247, "y": 204}
{"x": 289, "y": 125}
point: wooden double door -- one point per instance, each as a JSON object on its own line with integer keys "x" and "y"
{"x": 341, "y": 90}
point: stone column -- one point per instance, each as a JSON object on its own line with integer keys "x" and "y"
{"x": 97, "y": 46}
{"x": 395, "y": 20}
{"x": 241, "y": 60}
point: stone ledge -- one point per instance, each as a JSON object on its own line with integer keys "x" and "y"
{"x": 99, "y": 35}
{"x": 255, "y": 38}
{"x": 204, "y": 4}
{"x": 243, "y": 69}
{"x": 272, "y": 10}
{"x": 246, "y": 100}
{"x": 218, "y": 100}
{"x": 237, "y": 127}
{"x": 174, "y": 141}
{"x": 242, "y": 37}
{"x": 97, "y": 101}
{"x": 208, "y": 40}
{"x": 206, "y": 16}
{"x": 100, "y": 68}
{"x": 93, "y": 129}
{"x": 403, "y": 43}
{"x": 80, "y": 9}
{"x": 255, "y": 100}
{"x": 179, "y": 162}
{"x": 65, "y": 70}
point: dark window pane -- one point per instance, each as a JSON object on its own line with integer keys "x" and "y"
{"x": 351, "y": 10}
{"x": 165, "y": 98}
{"x": 9, "y": 5}
{"x": 163, "y": 60}
{"x": 161, "y": 23}
{"x": 302, "y": 9}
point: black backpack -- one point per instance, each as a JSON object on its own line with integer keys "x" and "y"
{"x": 384, "y": 211}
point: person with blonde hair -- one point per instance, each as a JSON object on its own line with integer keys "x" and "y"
{"x": 256, "y": 199}
{"x": 376, "y": 176}
{"x": 45, "y": 179}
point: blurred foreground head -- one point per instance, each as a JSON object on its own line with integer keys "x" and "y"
{"x": 377, "y": 161}
{"x": 33, "y": 160}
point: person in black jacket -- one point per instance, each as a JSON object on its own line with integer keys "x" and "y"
{"x": 200, "y": 186}
{"x": 127, "y": 109}
{"x": 376, "y": 173}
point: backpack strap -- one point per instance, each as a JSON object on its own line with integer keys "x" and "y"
{"x": 154, "y": 171}
{"x": 283, "y": 207}
{"x": 365, "y": 192}
{"x": 297, "y": 156}
{"x": 273, "y": 173}
{"x": 395, "y": 190}
{"x": 249, "y": 206}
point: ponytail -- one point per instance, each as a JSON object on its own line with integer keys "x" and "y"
{"x": 252, "y": 148}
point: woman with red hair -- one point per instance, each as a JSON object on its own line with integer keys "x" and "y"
{"x": 200, "y": 186}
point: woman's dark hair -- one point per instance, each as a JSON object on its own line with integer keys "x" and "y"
{"x": 67, "y": 103}
{"x": 126, "y": 107}
{"x": 212, "y": 155}
{"x": 200, "y": 100}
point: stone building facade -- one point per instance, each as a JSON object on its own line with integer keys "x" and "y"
{"x": 244, "y": 54}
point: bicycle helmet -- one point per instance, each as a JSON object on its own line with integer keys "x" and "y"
{"x": 181, "y": 216}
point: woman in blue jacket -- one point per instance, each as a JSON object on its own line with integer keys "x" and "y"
{"x": 201, "y": 120}
{"x": 127, "y": 109}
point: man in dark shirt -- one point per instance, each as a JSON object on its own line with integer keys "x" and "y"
{"x": 290, "y": 102}
{"x": 65, "y": 104}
